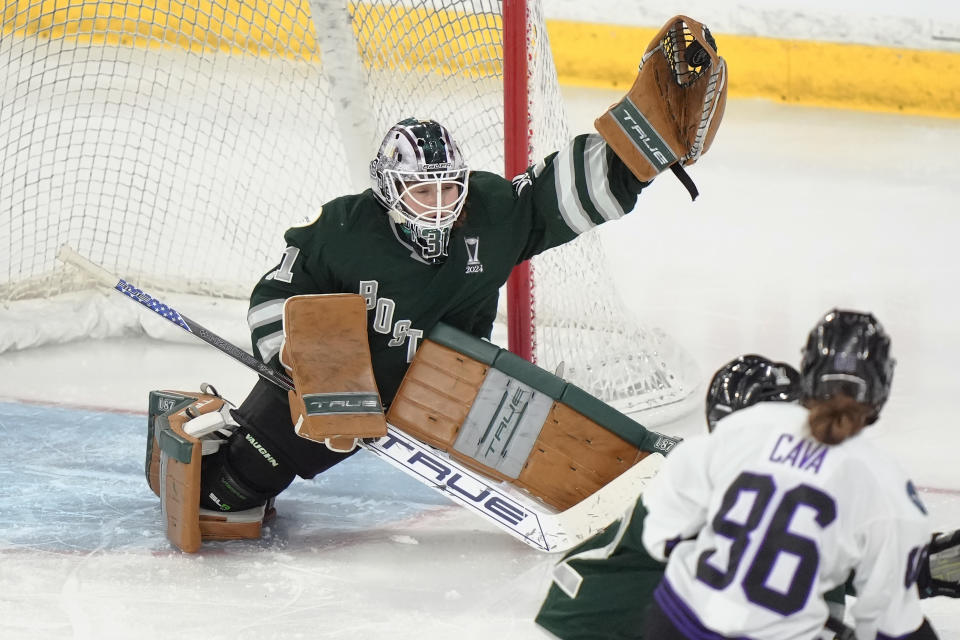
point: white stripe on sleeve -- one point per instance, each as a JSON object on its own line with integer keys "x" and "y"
{"x": 269, "y": 345}
{"x": 265, "y": 313}
{"x": 598, "y": 187}
{"x": 567, "y": 197}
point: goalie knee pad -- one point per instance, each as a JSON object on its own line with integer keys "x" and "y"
{"x": 243, "y": 474}
{"x": 185, "y": 427}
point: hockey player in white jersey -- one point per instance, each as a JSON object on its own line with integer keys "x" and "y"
{"x": 616, "y": 577}
{"x": 759, "y": 519}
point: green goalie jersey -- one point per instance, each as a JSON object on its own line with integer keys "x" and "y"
{"x": 354, "y": 247}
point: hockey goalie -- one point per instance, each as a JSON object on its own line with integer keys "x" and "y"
{"x": 360, "y": 289}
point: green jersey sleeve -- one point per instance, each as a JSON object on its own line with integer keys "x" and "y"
{"x": 572, "y": 191}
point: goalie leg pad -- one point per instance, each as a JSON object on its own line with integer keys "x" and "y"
{"x": 161, "y": 403}
{"x": 179, "y": 468}
{"x": 494, "y": 412}
{"x": 160, "y": 406}
{"x": 327, "y": 353}
{"x": 193, "y": 427}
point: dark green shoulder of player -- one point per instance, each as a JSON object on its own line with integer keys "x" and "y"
{"x": 357, "y": 220}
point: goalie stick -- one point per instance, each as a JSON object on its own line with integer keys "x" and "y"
{"x": 499, "y": 503}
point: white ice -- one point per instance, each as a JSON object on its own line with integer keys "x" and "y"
{"x": 801, "y": 210}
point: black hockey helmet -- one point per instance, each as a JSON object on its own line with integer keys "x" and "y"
{"x": 848, "y": 352}
{"x": 746, "y": 381}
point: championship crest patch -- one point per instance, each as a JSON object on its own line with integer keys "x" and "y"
{"x": 473, "y": 252}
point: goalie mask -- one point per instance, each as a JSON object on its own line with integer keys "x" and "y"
{"x": 420, "y": 177}
{"x": 746, "y": 381}
{"x": 848, "y": 352}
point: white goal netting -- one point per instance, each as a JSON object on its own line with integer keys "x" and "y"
{"x": 174, "y": 141}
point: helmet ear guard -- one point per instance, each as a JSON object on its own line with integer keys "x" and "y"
{"x": 848, "y": 352}
{"x": 417, "y": 165}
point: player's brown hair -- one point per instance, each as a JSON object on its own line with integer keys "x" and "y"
{"x": 833, "y": 420}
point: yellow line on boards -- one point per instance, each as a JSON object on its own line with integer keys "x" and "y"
{"x": 261, "y": 27}
{"x": 919, "y": 82}
{"x": 796, "y": 71}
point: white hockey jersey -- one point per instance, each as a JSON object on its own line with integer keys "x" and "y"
{"x": 768, "y": 520}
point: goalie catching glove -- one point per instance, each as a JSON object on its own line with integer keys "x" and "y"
{"x": 670, "y": 116}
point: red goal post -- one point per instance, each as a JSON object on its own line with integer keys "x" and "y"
{"x": 517, "y": 152}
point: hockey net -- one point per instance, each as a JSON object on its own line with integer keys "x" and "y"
{"x": 173, "y": 142}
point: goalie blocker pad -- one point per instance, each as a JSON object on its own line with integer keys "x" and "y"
{"x": 670, "y": 116}
{"x": 326, "y": 351}
{"x": 173, "y": 467}
{"x": 511, "y": 420}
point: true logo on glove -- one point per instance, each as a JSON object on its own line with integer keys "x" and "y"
{"x": 644, "y": 136}
{"x": 321, "y": 404}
